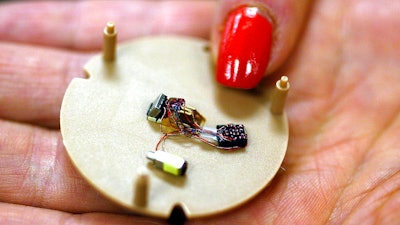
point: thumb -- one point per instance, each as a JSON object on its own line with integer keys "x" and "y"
{"x": 251, "y": 40}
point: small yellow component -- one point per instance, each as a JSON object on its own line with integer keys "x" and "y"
{"x": 168, "y": 163}
{"x": 171, "y": 169}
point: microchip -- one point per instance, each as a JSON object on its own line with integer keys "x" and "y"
{"x": 157, "y": 109}
{"x": 231, "y": 135}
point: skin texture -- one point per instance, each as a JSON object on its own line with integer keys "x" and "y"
{"x": 342, "y": 164}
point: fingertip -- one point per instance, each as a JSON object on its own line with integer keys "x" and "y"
{"x": 253, "y": 40}
{"x": 244, "y": 47}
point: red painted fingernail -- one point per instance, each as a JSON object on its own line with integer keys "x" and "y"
{"x": 244, "y": 49}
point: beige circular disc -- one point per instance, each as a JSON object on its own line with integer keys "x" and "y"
{"x": 107, "y": 135}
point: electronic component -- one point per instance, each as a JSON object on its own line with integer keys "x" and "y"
{"x": 168, "y": 162}
{"x": 156, "y": 109}
{"x": 178, "y": 119}
{"x": 189, "y": 115}
{"x": 173, "y": 114}
{"x": 231, "y": 135}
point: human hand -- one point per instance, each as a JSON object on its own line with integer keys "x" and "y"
{"x": 342, "y": 160}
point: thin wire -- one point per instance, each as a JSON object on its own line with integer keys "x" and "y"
{"x": 173, "y": 106}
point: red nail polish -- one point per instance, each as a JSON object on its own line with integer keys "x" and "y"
{"x": 244, "y": 49}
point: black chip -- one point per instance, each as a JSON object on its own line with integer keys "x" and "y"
{"x": 231, "y": 135}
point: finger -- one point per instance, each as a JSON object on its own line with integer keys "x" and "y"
{"x": 35, "y": 171}
{"x": 78, "y": 24}
{"x": 33, "y": 81}
{"x": 250, "y": 40}
{"x": 19, "y": 215}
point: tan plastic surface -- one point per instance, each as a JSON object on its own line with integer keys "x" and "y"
{"x": 105, "y": 131}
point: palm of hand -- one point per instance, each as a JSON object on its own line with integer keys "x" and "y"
{"x": 342, "y": 161}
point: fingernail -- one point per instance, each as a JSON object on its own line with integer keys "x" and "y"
{"x": 244, "y": 49}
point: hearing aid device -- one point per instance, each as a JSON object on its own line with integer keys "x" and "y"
{"x": 211, "y": 150}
